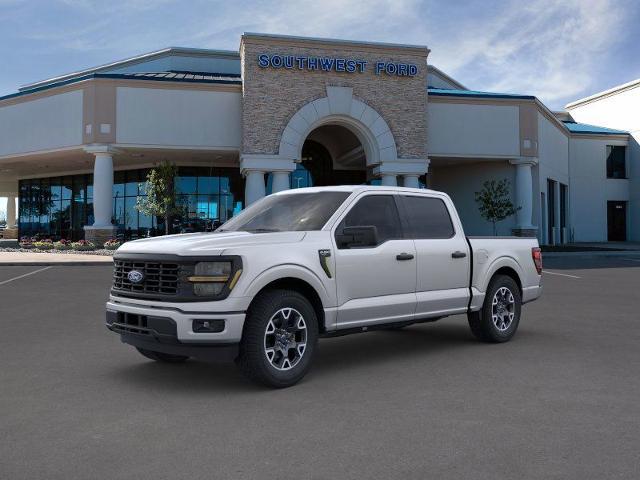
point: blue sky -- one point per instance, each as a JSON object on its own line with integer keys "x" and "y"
{"x": 557, "y": 50}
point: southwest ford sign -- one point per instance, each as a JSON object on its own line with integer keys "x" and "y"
{"x": 334, "y": 64}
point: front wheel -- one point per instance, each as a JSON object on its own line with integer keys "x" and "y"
{"x": 498, "y": 319}
{"x": 279, "y": 338}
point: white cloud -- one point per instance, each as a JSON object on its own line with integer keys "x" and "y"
{"x": 547, "y": 48}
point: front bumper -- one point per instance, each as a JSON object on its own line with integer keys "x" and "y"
{"x": 183, "y": 320}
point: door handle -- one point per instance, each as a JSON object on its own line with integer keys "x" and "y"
{"x": 404, "y": 256}
{"x": 458, "y": 254}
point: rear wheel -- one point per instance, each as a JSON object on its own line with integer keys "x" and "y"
{"x": 162, "y": 357}
{"x": 279, "y": 338}
{"x": 498, "y": 319}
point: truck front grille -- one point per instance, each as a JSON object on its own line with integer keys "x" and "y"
{"x": 158, "y": 278}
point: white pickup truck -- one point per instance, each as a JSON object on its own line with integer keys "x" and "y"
{"x": 316, "y": 262}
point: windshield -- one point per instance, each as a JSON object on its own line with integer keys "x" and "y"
{"x": 286, "y": 213}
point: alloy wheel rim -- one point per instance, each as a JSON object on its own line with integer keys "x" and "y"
{"x": 285, "y": 339}
{"x": 503, "y": 309}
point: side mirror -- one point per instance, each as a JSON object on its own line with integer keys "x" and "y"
{"x": 354, "y": 237}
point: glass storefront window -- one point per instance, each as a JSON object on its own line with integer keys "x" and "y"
{"x": 60, "y": 207}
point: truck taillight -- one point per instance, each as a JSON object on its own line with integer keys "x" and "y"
{"x": 536, "y": 254}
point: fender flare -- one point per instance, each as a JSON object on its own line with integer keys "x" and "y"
{"x": 299, "y": 272}
{"x": 499, "y": 263}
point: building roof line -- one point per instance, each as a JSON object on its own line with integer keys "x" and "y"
{"x": 585, "y": 128}
{"x": 566, "y": 127}
{"x": 445, "y": 92}
{"x": 132, "y": 61}
{"x": 605, "y": 93}
{"x": 232, "y": 80}
{"x": 447, "y": 77}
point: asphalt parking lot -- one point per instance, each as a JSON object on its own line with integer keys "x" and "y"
{"x": 559, "y": 401}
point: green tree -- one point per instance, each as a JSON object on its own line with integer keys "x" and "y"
{"x": 161, "y": 198}
{"x": 494, "y": 202}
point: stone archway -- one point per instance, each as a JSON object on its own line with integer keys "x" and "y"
{"x": 339, "y": 107}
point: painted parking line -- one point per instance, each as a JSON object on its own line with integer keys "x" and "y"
{"x": 561, "y": 274}
{"x": 25, "y": 275}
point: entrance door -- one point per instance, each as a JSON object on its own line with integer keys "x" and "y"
{"x": 617, "y": 221}
{"x": 376, "y": 282}
{"x": 317, "y": 160}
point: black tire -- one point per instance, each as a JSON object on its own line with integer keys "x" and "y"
{"x": 162, "y": 357}
{"x": 482, "y": 322}
{"x": 253, "y": 358}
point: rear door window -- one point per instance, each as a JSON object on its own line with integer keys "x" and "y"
{"x": 427, "y": 218}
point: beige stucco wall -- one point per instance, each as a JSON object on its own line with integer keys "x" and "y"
{"x": 272, "y": 96}
{"x": 45, "y": 123}
{"x": 461, "y": 129}
{"x": 178, "y": 117}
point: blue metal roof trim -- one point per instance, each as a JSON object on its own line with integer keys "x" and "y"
{"x": 227, "y": 79}
{"x": 585, "y": 128}
{"x": 444, "y": 92}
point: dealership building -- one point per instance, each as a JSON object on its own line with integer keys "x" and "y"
{"x": 288, "y": 112}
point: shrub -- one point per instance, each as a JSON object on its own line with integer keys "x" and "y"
{"x": 83, "y": 245}
{"x": 43, "y": 244}
{"x": 26, "y": 242}
{"x": 112, "y": 244}
{"x": 62, "y": 245}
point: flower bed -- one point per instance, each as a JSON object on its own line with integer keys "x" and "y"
{"x": 62, "y": 245}
{"x": 83, "y": 245}
{"x": 112, "y": 244}
{"x": 46, "y": 245}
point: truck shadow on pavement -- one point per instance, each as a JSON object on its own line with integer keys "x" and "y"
{"x": 334, "y": 358}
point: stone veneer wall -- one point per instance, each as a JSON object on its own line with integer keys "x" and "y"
{"x": 272, "y": 96}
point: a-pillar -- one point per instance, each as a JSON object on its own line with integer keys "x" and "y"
{"x": 524, "y": 196}
{"x": 102, "y": 228}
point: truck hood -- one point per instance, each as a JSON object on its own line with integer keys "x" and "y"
{"x": 206, "y": 243}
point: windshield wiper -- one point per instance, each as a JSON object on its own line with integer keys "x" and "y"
{"x": 262, "y": 230}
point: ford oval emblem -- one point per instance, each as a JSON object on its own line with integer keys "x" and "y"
{"x": 135, "y": 276}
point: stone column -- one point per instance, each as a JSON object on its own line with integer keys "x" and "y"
{"x": 411, "y": 181}
{"x": 254, "y": 186}
{"x": 280, "y": 181}
{"x": 11, "y": 232}
{"x": 102, "y": 228}
{"x": 524, "y": 197}
{"x": 11, "y": 211}
{"x": 254, "y": 165}
{"x": 408, "y": 169}
{"x": 389, "y": 180}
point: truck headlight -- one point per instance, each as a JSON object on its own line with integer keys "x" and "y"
{"x": 210, "y": 278}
